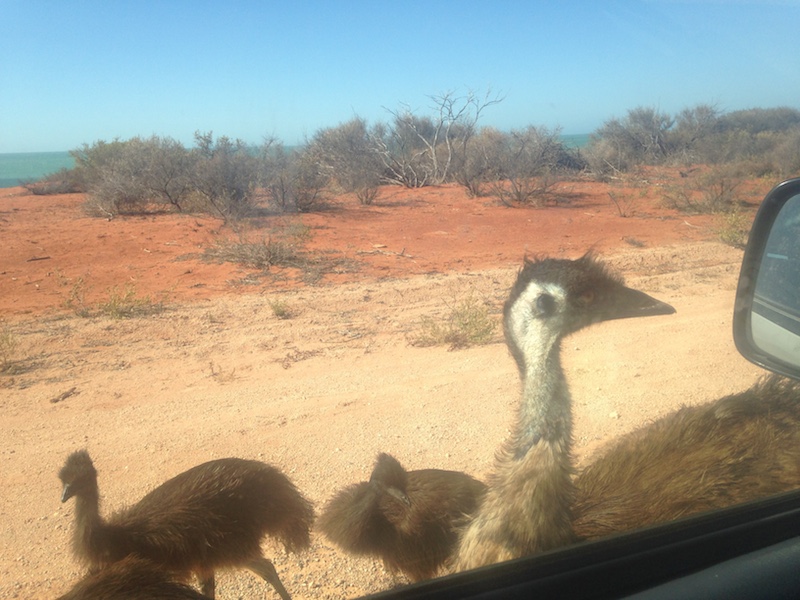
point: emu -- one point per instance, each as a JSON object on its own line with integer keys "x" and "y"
{"x": 131, "y": 578}
{"x": 212, "y": 516}
{"x": 738, "y": 448}
{"x": 527, "y": 506}
{"x": 409, "y": 519}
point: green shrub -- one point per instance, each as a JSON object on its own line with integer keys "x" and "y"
{"x": 281, "y": 309}
{"x": 225, "y": 173}
{"x": 735, "y": 229}
{"x": 467, "y": 324}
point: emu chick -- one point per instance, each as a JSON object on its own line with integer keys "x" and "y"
{"x": 214, "y": 515}
{"x": 131, "y": 579}
{"x": 409, "y": 519}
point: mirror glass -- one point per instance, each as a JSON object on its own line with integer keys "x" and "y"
{"x": 775, "y": 317}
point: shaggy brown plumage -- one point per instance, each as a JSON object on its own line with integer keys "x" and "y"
{"x": 741, "y": 447}
{"x": 530, "y": 491}
{"x": 214, "y": 515}
{"x": 131, "y": 579}
{"x": 409, "y": 519}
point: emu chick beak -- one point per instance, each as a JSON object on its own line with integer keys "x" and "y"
{"x": 66, "y": 493}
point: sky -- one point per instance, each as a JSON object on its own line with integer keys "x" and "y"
{"x": 83, "y": 71}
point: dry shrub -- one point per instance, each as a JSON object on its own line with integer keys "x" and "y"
{"x": 467, "y": 324}
{"x": 261, "y": 254}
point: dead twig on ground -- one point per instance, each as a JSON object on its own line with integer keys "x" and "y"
{"x": 63, "y": 396}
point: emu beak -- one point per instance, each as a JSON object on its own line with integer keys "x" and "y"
{"x": 397, "y": 494}
{"x": 66, "y": 493}
{"x": 629, "y": 303}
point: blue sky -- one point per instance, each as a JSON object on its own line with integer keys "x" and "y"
{"x": 82, "y": 71}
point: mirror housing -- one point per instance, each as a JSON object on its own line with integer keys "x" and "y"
{"x": 766, "y": 316}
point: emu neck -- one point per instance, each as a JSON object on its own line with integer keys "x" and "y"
{"x": 88, "y": 525}
{"x": 545, "y": 411}
{"x": 526, "y": 509}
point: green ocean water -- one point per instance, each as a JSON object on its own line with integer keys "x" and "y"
{"x": 575, "y": 140}
{"x": 19, "y": 167}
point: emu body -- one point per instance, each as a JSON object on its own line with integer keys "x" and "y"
{"x": 211, "y": 516}
{"x": 527, "y": 507}
{"x": 738, "y": 448}
{"x": 409, "y": 519}
{"x": 131, "y": 579}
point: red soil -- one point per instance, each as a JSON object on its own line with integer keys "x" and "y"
{"x": 53, "y": 251}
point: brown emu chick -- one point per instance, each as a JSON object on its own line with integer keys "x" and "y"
{"x": 738, "y": 448}
{"x": 409, "y": 519}
{"x": 212, "y": 516}
{"x": 131, "y": 579}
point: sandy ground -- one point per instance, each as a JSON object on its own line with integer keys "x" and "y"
{"x": 217, "y": 373}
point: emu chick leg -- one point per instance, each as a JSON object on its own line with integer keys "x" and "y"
{"x": 264, "y": 568}
{"x": 208, "y": 585}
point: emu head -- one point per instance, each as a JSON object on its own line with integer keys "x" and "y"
{"x": 389, "y": 477}
{"x": 78, "y": 475}
{"x": 553, "y": 298}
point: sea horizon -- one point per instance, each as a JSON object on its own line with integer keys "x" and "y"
{"x": 18, "y": 168}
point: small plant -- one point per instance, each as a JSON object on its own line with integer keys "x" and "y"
{"x": 297, "y": 230}
{"x": 76, "y": 298}
{"x": 719, "y": 188}
{"x": 221, "y": 376}
{"x": 468, "y": 324}
{"x": 735, "y": 229}
{"x": 260, "y": 255}
{"x": 124, "y": 304}
{"x": 366, "y": 195}
{"x": 281, "y": 309}
{"x": 8, "y": 348}
{"x": 624, "y": 204}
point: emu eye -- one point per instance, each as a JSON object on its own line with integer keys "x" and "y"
{"x": 546, "y": 304}
{"x": 586, "y": 297}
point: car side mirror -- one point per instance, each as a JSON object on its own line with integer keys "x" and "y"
{"x": 766, "y": 317}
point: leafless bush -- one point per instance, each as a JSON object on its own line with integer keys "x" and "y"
{"x": 711, "y": 192}
{"x": 423, "y": 150}
{"x": 623, "y": 203}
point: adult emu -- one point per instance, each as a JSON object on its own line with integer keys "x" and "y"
{"x": 739, "y": 448}
{"x": 527, "y": 507}
{"x": 212, "y": 516}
